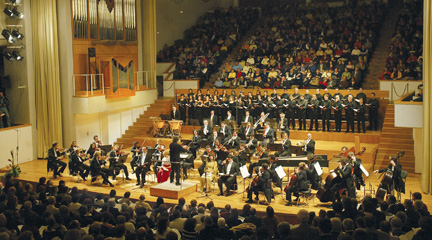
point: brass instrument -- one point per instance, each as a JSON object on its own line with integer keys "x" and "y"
{"x": 261, "y": 120}
{"x": 256, "y": 156}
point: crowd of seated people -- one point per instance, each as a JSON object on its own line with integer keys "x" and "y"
{"x": 58, "y": 212}
{"x": 207, "y": 43}
{"x": 319, "y": 46}
{"x": 405, "y": 59}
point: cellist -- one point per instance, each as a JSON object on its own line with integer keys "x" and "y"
{"x": 298, "y": 182}
{"x": 345, "y": 170}
{"x": 261, "y": 182}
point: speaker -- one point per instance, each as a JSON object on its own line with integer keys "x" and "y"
{"x": 5, "y": 81}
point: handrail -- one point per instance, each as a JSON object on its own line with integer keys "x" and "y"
{"x": 92, "y": 82}
{"x": 393, "y": 89}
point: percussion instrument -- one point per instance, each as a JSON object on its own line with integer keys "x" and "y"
{"x": 176, "y": 126}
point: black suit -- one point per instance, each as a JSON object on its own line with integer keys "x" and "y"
{"x": 313, "y": 177}
{"x": 116, "y": 166}
{"x": 269, "y": 137}
{"x": 196, "y": 140}
{"x": 264, "y": 184}
{"x": 286, "y": 148}
{"x": 283, "y": 125}
{"x": 143, "y": 166}
{"x": 79, "y": 165}
{"x": 249, "y": 119}
{"x": 310, "y": 147}
{"x": 209, "y": 131}
{"x": 358, "y": 174}
{"x": 346, "y": 182}
{"x": 135, "y": 153}
{"x": 247, "y": 132}
{"x": 397, "y": 180}
{"x": 274, "y": 176}
{"x": 96, "y": 169}
{"x": 175, "y": 115}
{"x": 232, "y": 143}
{"x": 53, "y": 163}
{"x": 226, "y": 131}
{"x": 175, "y": 150}
{"x": 230, "y": 178}
{"x": 213, "y": 121}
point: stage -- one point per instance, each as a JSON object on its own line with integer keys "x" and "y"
{"x": 33, "y": 170}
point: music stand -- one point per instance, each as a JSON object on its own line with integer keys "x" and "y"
{"x": 105, "y": 149}
{"x": 194, "y": 122}
{"x": 275, "y": 147}
{"x": 151, "y": 151}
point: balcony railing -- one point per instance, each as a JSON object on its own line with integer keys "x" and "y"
{"x": 88, "y": 84}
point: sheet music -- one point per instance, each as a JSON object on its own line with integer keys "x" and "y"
{"x": 184, "y": 155}
{"x": 244, "y": 171}
{"x": 364, "y": 170}
{"x": 280, "y": 172}
{"x": 318, "y": 168}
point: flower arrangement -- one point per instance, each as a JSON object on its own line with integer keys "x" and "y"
{"x": 14, "y": 170}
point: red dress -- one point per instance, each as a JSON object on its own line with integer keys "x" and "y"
{"x": 164, "y": 171}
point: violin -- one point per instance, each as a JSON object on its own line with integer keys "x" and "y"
{"x": 221, "y": 147}
{"x": 256, "y": 156}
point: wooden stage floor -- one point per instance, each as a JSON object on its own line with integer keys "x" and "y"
{"x": 33, "y": 170}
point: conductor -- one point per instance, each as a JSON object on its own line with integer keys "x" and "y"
{"x": 175, "y": 150}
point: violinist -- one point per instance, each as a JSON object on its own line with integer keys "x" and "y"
{"x": 261, "y": 183}
{"x": 345, "y": 171}
{"x": 396, "y": 168}
{"x": 143, "y": 166}
{"x": 208, "y": 151}
{"x": 259, "y": 153}
{"x": 234, "y": 141}
{"x": 213, "y": 138}
{"x": 357, "y": 172}
{"x": 272, "y": 169}
{"x": 78, "y": 163}
{"x": 196, "y": 140}
{"x": 54, "y": 160}
{"x": 135, "y": 150}
{"x": 158, "y": 156}
{"x": 115, "y": 165}
{"x": 268, "y": 134}
{"x": 97, "y": 169}
{"x": 298, "y": 184}
{"x": 286, "y": 146}
{"x": 248, "y": 130}
{"x": 243, "y": 154}
{"x": 228, "y": 176}
{"x": 313, "y": 176}
{"x": 92, "y": 149}
{"x": 72, "y": 147}
{"x": 206, "y": 129}
{"x": 97, "y": 142}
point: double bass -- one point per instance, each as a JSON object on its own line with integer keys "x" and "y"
{"x": 324, "y": 194}
{"x": 386, "y": 181}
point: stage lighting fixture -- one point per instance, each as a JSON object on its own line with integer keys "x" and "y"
{"x": 17, "y": 56}
{"x": 8, "y": 36}
{"x": 16, "y": 34}
{"x": 8, "y": 12}
{"x": 16, "y": 13}
{"x": 8, "y": 56}
{"x": 15, "y": 2}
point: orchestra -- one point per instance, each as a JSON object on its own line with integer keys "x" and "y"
{"x": 230, "y": 126}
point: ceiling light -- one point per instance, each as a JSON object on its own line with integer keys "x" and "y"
{"x": 17, "y": 56}
{"x": 16, "y": 34}
{"x": 16, "y": 2}
{"x": 16, "y": 13}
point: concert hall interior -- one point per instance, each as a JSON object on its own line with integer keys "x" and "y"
{"x": 215, "y": 119}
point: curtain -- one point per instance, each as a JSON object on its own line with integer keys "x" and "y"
{"x": 149, "y": 40}
{"x": 427, "y": 91}
{"x": 46, "y": 69}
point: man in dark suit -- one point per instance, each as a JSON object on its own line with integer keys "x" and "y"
{"x": 206, "y": 129}
{"x": 230, "y": 117}
{"x": 54, "y": 160}
{"x": 79, "y": 165}
{"x": 247, "y": 118}
{"x": 357, "y": 172}
{"x": 273, "y": 174}
{"x": 196, "y": 140}
{"x": 96, "y": 169}
{"x": 248, "y": 130}
{"x": 286, "y": 146}
{"x": 309, "y": 145}
{"x": 175, "y": 114}
{"x": 135, "y": 150}
{"x": 313, "y": 176}
{"x": 264, "y": 184}
{"x": 115, "y": 165}
{"x": 143, "y": 166}
{"x": 283, "y": 123}
{"x": 301, "y": 184}
{"x": 252, "y": 143}
{"x": 213, "y": 138}
{"x": 213, "y": 119}
{"x": 230, "y": 172}
{"x": 345, "y": 171}
{"x": 268, "y": 135}
{"x": 175, "y": 150}
{"x": 233, "y": 142}
{"x": 225, "y": 130}
{"x": 396, "y": 168}
{"x": 303, "y": 230}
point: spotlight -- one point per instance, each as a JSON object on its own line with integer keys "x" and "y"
{"x": 8, "y": 36}
{"x": 16, "y": 34}
{"x": 16, "y": 13}
{"x": 17, "y": 56}
{"x": 8, "y": 56}
{"x": 15, "y": 2}
{"x": 8, "y": 12}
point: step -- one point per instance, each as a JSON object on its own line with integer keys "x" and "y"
{"x": 396, "y": 135}
{"x": 397, "y": 130}
{"x": 395, "y": 140}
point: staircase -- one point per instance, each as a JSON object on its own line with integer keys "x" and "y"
{"x": 377, "y": 63}
{"x": 395, "y": 139}
{"x": 143, "y": 125}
